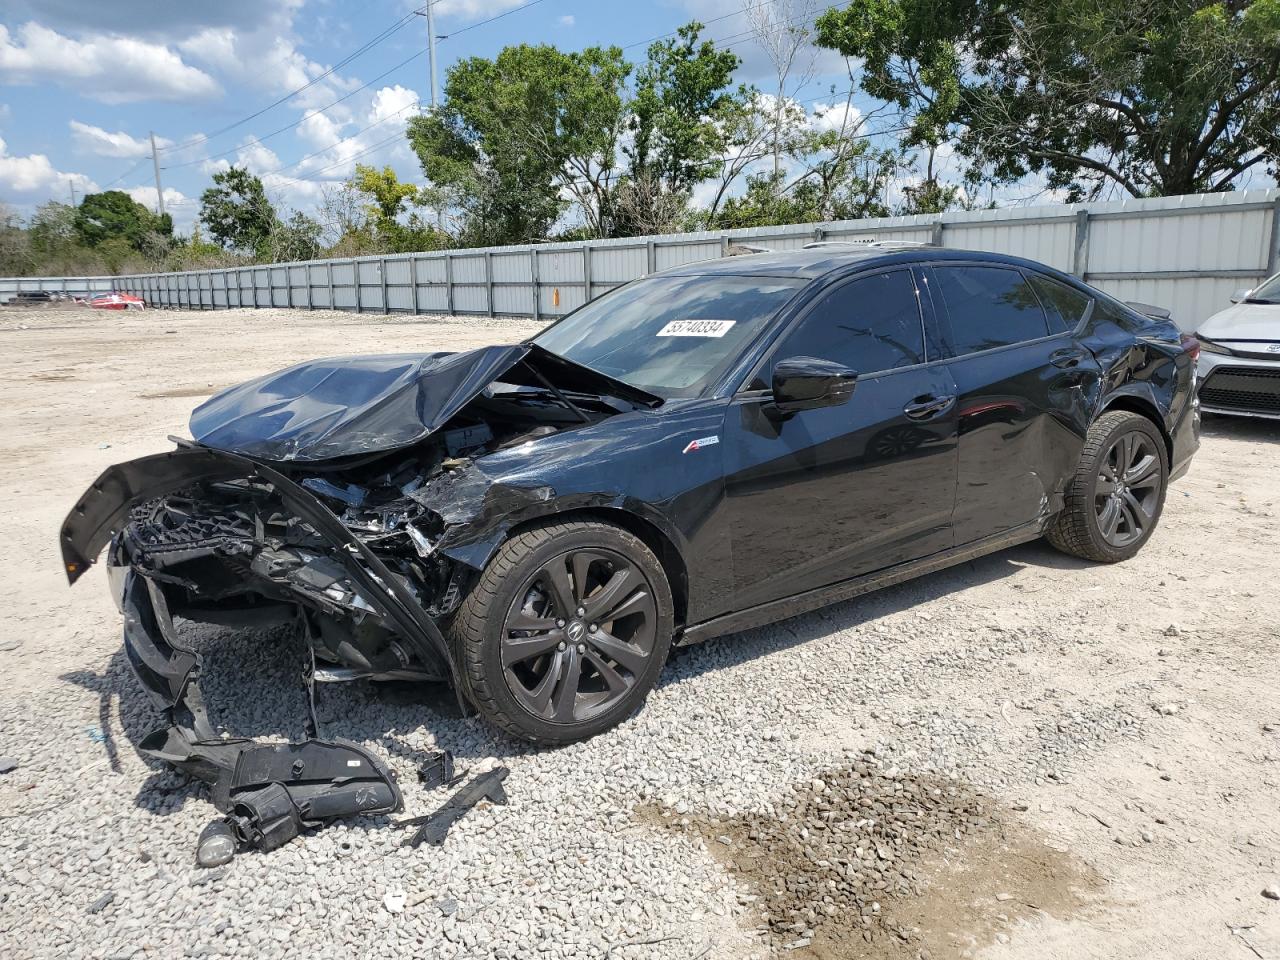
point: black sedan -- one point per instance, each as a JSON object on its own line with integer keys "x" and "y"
{"x": 698, "y": 452}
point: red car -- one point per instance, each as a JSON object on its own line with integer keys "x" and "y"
{"x": 117, "y": 301}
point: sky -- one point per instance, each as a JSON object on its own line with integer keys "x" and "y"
{"x": 83, "y": 83}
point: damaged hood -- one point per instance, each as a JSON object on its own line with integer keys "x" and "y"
{"x": 349, "y": 406}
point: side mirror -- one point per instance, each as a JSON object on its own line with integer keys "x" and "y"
{"x": 807, "y": 383}
{"x": 1241, "y": 294}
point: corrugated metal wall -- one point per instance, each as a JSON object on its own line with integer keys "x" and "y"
{"x": 1185, "y": 253}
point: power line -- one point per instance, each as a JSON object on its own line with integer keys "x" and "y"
{"x": 301, "y": 120}
{"x": 386, "y": 34}
{"x": 481, "y": 23}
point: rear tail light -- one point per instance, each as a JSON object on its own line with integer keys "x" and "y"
{"x": 1190, "y": 346}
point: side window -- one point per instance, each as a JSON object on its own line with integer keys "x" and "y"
{"x": 1066, "y": 307}
{"x": 868, "y": 325}
{"x": 989, "y": 307}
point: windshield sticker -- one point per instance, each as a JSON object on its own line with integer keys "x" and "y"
{"x": 696, "y": 445}
{"x": 696, "y": 328}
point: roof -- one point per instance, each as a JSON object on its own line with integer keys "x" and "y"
{"x": 815, "y": 262}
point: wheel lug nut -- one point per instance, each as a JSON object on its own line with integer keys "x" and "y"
{"x": 582, "y": 648}
{"x": 560, "y": 645}
{"x": 581, "y": 611}
{"x": 592, "y": 629}
{"x": 559, "y": 623}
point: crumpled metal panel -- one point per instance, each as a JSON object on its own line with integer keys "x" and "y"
{"x": 347, "y": 406}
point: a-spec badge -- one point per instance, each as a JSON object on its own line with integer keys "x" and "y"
{"x": 695, "y": 445}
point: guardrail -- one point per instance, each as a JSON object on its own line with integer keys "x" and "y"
{"x": 1186, "y": 253}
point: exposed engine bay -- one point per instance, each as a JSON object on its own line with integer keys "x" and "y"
{"x": 320, "y": 496}
{"x": 229, "y": 550}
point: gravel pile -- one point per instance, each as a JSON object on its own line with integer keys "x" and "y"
{"x": 97, "y": 846}
{"x": 839, "y": 845}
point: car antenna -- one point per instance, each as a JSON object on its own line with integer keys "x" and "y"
{"x": 559, "y": 394}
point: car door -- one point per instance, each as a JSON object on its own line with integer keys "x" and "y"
{"x": 1022, "y": 382}
{"x": 822, "y": 495}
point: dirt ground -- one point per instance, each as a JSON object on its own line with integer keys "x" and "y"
{"x": 1179, "y": 829}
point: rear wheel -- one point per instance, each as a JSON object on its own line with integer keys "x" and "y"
{"x": 1115, "y": 499}
{"x": 566, "y": 631}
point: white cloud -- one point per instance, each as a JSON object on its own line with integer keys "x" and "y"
{"x": 266, "y": 61}
{"x": 107, "y": 144}
{"x": 108, "y": 68}
{"x": 256, "y": 158}
{"x": 567, "y": 20}
{"x": 35, "y": 174}
{"x": 473, "y": 9}
{"x": 147, "y": 197}
{"x": 839, "y": 116}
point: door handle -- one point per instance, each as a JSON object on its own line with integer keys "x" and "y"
{"x": 1066, "y": 359}
{"x": 928, "y": 407}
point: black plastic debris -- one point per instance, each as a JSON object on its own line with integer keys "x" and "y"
{"x": 438, "y": 771}
{"x": 8, "y": 764}
{"x": 434, "y": 827}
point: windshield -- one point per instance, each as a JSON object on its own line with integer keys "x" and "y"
{"x": 1266, "y": 292}
{"x": 672, "y": 336}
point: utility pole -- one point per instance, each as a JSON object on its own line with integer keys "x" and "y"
{"x": 155, "y": 158}
{"x": 430, "y": 14}
{"x": 71, "y": 184}
{"x": 431, "y": 49}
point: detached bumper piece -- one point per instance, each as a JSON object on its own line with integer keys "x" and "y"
{"x": 269, "y": 792}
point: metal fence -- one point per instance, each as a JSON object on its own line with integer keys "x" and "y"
{"x": 1185, "y": 253}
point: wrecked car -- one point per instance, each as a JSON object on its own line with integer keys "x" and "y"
{"x": 698, "y": 452}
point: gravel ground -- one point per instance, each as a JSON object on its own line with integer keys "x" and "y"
{"x": 1025, "y": 756}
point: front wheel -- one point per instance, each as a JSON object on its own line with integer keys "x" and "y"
{"x": 565, "y": 632}
{"x": 1114, "y": 501}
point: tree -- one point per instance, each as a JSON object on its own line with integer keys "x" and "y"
{"x": 386, "y": 202}
{"x": 53, "y": 231}
{"x": 781, "y": 28}
{"x": 237, "y": 212}
{"x": 114, "y": 215}
{"x": 519, "y": 133}
{"x": 297, "y": 238}
{"x": 1152, "y": 97}
{"x": 681, "y": 106}
{"x": 15, "y": 245}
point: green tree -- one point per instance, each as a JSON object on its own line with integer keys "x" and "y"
{"x": 53, "y": 230}
{"x": 114, "y": 215}
{"x": 237, "y": 212}
{"x": 1155, "y": 97}
{"x": 391, "y": 223}
{"x": 682, "y": 97}
{"x": 517, "y": 132}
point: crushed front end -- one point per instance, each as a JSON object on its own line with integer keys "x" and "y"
{"x": 301, "y": 508}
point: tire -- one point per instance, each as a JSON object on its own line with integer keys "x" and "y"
{"x": 518, "y": 678}
{"x": 1082, "y": 527}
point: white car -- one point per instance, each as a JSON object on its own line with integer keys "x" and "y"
{"x": 1239, "y": 362}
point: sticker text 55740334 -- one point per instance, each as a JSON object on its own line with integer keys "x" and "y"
{"x": 696, "y": 328}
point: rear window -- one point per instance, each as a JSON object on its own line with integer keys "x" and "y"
{"x": 989, "y": 307}
{"x": 1064, "y": 306}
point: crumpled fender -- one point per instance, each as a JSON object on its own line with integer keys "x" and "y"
{"x": 478, "y": 510}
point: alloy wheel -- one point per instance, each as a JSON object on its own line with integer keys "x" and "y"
{"x": 579, "y": 635}
{"x": 1127, "y": 492}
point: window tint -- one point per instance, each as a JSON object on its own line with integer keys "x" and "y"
{"x": 989, "y": 307}
{"x": 868, "y": 325}
{"x": 1064, "y": 305}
